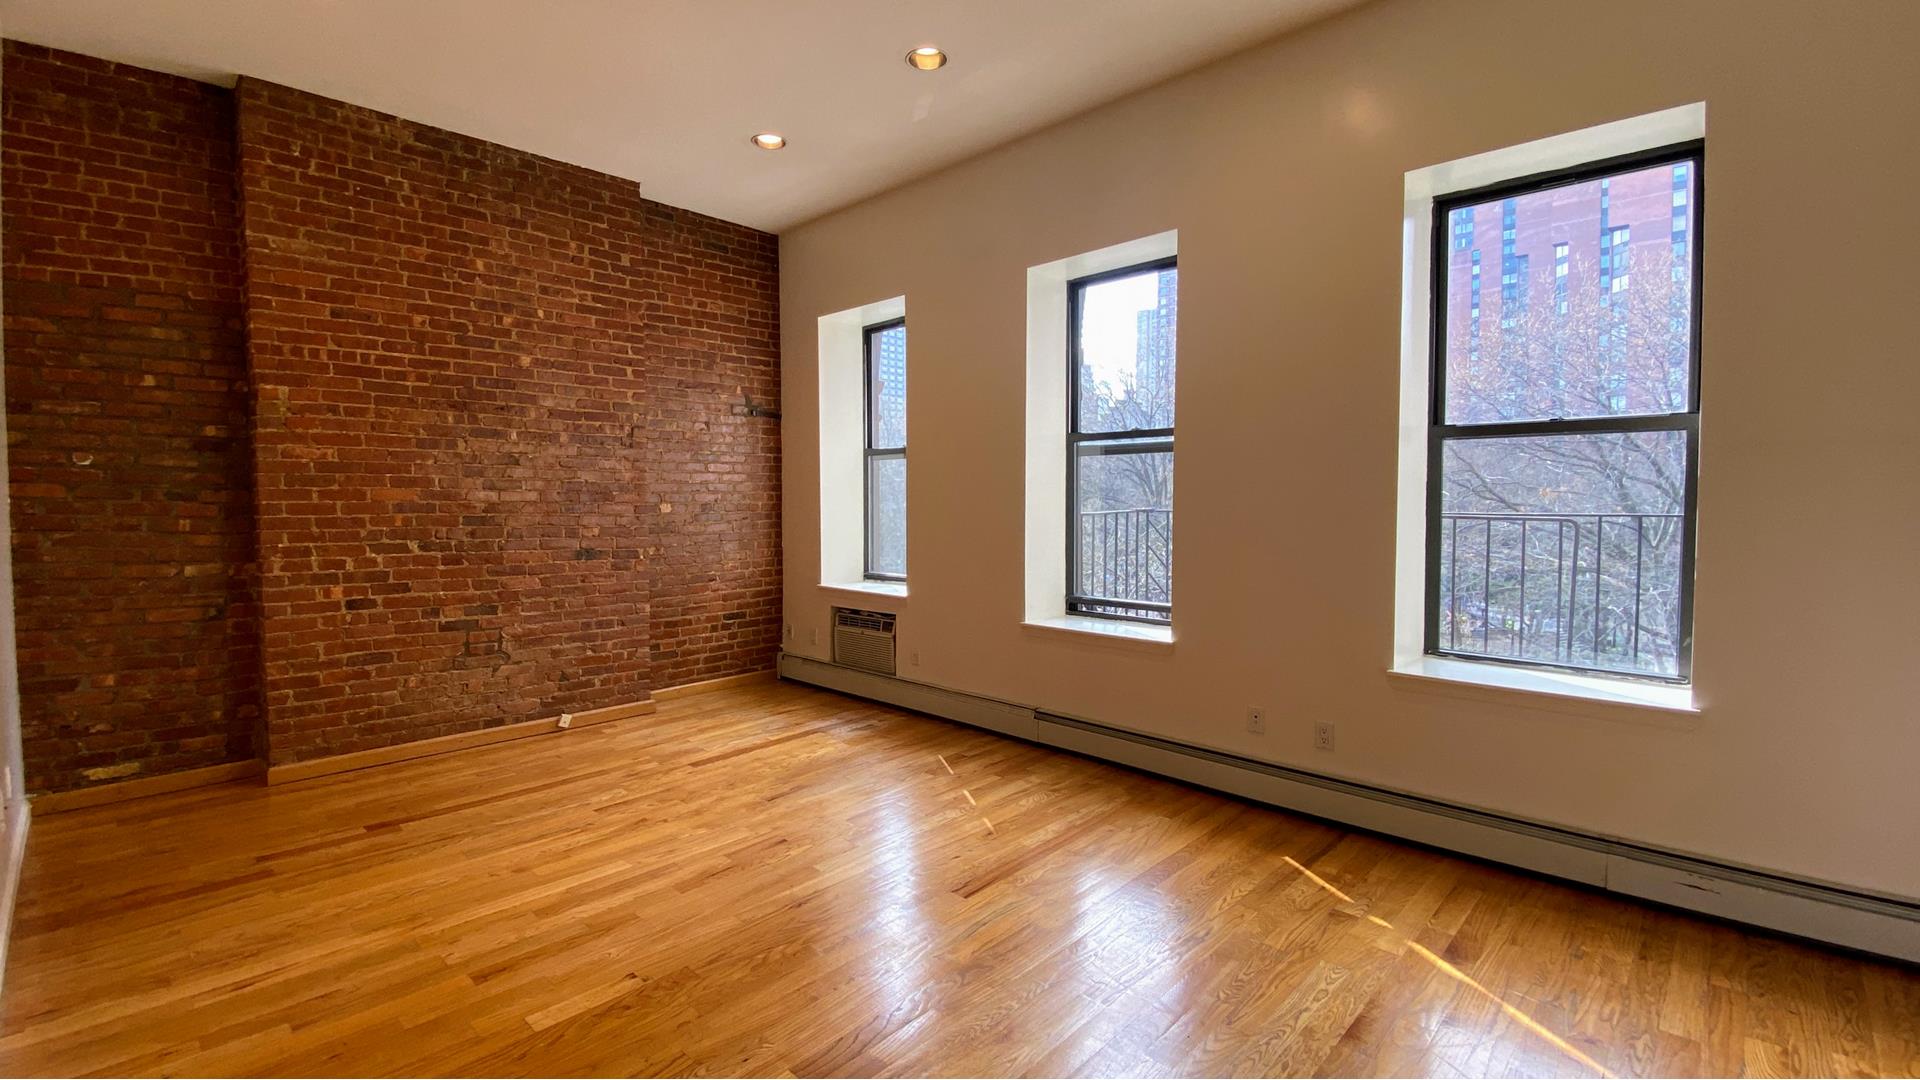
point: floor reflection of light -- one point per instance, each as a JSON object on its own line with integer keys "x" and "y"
{"x": 1519, "y": 1017}
{"x": 968, "y": 792}
{"x": 897, "y": 918}
{"x": 1317, "y": 879}
{"x": 1126, "y": 932}
{"x": 1462, "y": 977}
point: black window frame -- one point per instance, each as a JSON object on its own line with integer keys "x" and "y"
{"x": 1130, "y": 441}
{"x": 1439, "y": 432}
{"x": 872, "y": 453}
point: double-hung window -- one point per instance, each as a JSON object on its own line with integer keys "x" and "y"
{"x": 886, "y": 450}
{"x": 1122, "y": 332}
{"x": 1563, "y": 437}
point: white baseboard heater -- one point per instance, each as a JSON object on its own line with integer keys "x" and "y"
{"x": 1889, "y": 926}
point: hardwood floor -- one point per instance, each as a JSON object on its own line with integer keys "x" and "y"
{"x": 777, "y": 880}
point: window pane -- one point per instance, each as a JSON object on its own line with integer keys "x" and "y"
{"x": 887, "y": 515}
{"x": 1124, "y": 528}
{"x": 887, "y": 396}
{"x": 1126, "y": 335}
{"x": 1572, "y": 302}
{"x": 1564, "y": 549}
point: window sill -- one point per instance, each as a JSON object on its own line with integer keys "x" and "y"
{"x": 1466, "y": 674}
{"x": 869, "y": 588}
{"x": 1105, "y": 631}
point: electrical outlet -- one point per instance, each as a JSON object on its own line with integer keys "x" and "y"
{"x": 789, "y": 631}
{"x": 1323, "y": 735}
{"x": 566, "y": 719}
{"x": 1256, "y": 720}
{"x": 914, "y": 658}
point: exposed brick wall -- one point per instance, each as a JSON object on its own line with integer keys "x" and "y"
{"x": 332, "y": 431}
{"x": 127, "y": 422}
{"x": 448, "y": 353}
{"x": 713, "y": 348}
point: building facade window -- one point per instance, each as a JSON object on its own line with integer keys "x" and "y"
{"x": 1463, "y": 230}
{"x": 1562, "y": 454}
{"x": 886, "y": 451}
{"x": 1473, "y": 319}
{"x": 1560, "y": 271}
{"x": 1122, "y": 331}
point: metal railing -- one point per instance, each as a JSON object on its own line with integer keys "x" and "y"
{"x": 1598, "y": 592}
{"x": 1125, "y": 563}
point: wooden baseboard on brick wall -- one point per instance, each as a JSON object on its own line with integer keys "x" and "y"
{"x": 385, "y": 755}
{"x": 56, "y": 801}
{"x": 707, "y": 686}
{"x": 79, "y": 798}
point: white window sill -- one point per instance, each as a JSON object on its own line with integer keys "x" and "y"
{"x": 1567, "y": 685}
{"x": 869, "y": 588}
{"x": 1109, "y": 631}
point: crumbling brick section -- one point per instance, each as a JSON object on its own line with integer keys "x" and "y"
{"x": 127, "y": 422}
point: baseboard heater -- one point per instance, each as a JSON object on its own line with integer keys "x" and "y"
{"x": 1888, "y": 926}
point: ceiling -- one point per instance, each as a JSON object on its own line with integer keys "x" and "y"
{"x": 667, "y": 92}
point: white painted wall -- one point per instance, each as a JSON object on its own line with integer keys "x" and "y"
{"x": 13, "y": 785}
{"x": 1283, "y": 171}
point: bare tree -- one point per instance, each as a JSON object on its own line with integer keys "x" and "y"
{"x": 1549, "y": 516}
{"x": 1125, "y": 531}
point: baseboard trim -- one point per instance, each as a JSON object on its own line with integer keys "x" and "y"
{"x": 708, "y": 686}
{"x": 999, "y": 716}
{"x": 1888, "y": 926}
{"x": 446, "y": 744}
{"x": 55, "y": 802}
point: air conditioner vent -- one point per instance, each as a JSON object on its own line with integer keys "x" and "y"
{"x": 863, "y": 639}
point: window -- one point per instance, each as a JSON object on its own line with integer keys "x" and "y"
{"x": 1463, "y": 231}
{"x": 1560, "y": 270}
{"x": 1122, "y": 331}
{"x": 1561, "y": 455}
{"x": 886, "y": 450}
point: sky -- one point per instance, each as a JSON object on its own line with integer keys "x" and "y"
{"x": 1111, "y": 325}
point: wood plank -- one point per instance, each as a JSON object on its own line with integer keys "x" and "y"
{"x": 767, "y": 879}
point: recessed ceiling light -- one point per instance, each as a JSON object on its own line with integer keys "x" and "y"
{"x": 927, "y": 58}
{"x": 768, "y": 140}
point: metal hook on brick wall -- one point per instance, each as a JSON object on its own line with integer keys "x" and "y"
{"x": 749, "y": 407}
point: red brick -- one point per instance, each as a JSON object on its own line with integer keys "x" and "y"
{"x": 477, "y": 379}
{"x": 537, "y": 358}
{"x": 132, "y": 537}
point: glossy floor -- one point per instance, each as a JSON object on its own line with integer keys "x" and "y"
{"x": 778, "y": 880}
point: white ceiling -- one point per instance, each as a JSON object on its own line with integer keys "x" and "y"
{"x": 667, "y": 92}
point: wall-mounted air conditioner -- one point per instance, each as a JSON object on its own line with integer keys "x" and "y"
{"x": 863, "y": 639}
